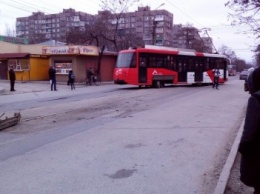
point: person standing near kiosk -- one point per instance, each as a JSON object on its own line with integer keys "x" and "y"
{"x": 12, "y": 78}
{"x": 52, "y": 76}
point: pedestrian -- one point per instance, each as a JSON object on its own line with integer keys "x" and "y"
{"x": 249, "y": 146}
{"x": 12, "y": 78}
{"x": 52, "y": 76}
{"x": 90, "y": 75}
{"x": 71, "y": 79}
{"x": 216, "y": 77}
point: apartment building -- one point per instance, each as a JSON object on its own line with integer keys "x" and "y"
{"x": 149, "y": 26}
{"x": 43, "y": 27}
{"x": 188, "y": 37}
{"x": 153, "y": 26}
{"x": 208, "y": 46}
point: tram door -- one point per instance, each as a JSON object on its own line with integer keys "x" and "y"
{"x": 182, "y": 69}
{"x": 142, "y": 77}
{"x": 199, "y": 68}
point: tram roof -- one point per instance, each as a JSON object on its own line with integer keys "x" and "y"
{"x": 177, "y": 51}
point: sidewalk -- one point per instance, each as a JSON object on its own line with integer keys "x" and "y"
{"x": 26, "y": 87}
{"x": 36, "y": 86}
{"x": 226, "y": 171}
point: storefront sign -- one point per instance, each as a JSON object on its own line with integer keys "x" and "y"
{"x": 38, "y": 56}
{"x": 89, "y": 50}
{"x": 65, "y": 50}
{"x": 60, "y": 50}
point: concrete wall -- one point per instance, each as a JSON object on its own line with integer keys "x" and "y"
{"x": 32, "y": 49}
{"x": 81, "y": 63}
{"x": 86, "y": 62}
{"x": 108, "y": 63}
{"x": 6, "y": 47}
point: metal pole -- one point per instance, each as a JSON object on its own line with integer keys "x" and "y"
{"x": 206, "y": 31}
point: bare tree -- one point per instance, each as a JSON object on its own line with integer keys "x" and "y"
{"x": 257, "y": 55}
{"x": 8, "y": 31}
{"x": 36, "y": 38}
{"x": 77, "y": 36}
{"x": 239, "y": 63}
{"x": 106, "y": 30}
{"x": 224, "y": 50}
{"x": 246, "y": 12}
{"x": 114, "y": 10}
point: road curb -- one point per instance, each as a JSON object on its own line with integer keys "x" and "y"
{"x": 1, "y": 90}
{"x": 224, "y": 176}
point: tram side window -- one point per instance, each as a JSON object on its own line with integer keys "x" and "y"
{"x": 143, "y": 61}
{"x": 212, "y": 63}
{"x": 207, "y": 64}
{"x": 126, "y": 60}
{"x": 200, "y": 64}
{"x": 133, "y": 62}
{"x": 152, "y": 61}
{"x": 183, "y": 64}
{"x": 191, "y": 64}
{"x": 171, "y": 63}
{"x": 157, "y": 61}
{"x": 220, "y": 63}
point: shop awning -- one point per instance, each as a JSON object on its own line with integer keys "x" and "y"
{"x": 14, "y": 55}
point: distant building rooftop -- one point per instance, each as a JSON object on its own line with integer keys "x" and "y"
{"x": 14, "y": 40}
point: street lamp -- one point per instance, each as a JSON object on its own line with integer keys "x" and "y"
{"x": 154, "y": 24}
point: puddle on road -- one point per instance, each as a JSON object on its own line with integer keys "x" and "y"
{"x": 123, "y": 173}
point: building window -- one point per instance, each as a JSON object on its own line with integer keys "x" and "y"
{"x": 19, "y": 64}
{"x": 63, "y": 67}
{"x": 146, "y": 18}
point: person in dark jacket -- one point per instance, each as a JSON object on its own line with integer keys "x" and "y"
{"x": 90, "y": 75}
{"x": 52, "y": 76}
{"x": 216, "y": 77}
{"x": 12, "y": 79}
{"x": 71, "y": 80}
{"x": 249, "y": 146}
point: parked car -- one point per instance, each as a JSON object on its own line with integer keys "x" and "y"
{"x": 243, "y": 75}
{"x": 246, "y": 88}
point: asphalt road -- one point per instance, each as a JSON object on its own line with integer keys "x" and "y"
{"x": 114, "y": 139}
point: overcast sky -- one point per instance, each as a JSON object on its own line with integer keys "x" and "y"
{"x": 200, "y": 13}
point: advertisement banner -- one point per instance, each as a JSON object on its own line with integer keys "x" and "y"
{"x": 67, "y": 50}
{"x": 89, "y": 50}
{"x": 60, "y": 50}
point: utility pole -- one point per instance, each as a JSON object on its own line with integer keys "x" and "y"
{"x": 154, "y": 24}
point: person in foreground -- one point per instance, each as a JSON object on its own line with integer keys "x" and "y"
{"x": 12, "y": 79}
{"x": 52, "y": 76}
{"x": 216, "y": 78}
{"x": 249, "y": 146}
{"x": 71, "y": 80}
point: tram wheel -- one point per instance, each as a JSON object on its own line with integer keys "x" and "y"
{"x": 158, "y": 84}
